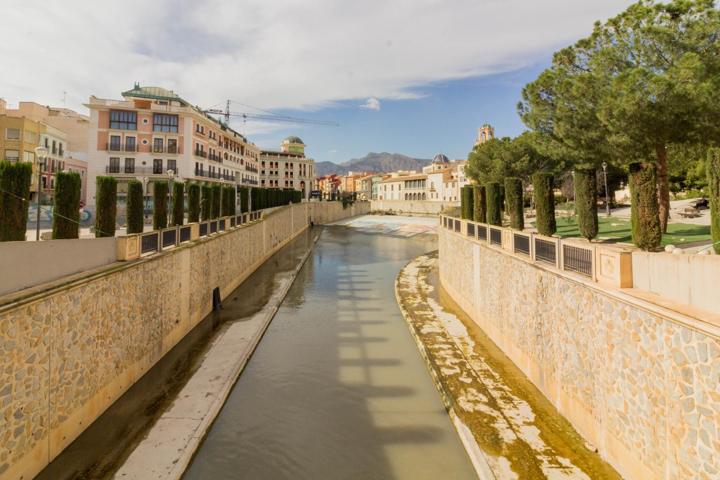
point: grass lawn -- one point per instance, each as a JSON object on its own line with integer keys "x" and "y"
{"x": 618, "y": 230}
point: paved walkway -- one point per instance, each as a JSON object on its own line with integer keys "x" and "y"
{"x": 509, "y": 428}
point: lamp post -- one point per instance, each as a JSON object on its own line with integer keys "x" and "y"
{"x": 40, "y": 158}
{"x": 171, "y": 176}
{"x": 607, "y": 194}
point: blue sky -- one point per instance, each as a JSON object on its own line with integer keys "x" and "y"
{"x": 444, "y": 120}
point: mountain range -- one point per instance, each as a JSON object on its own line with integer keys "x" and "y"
{"x": 372, "y": 162}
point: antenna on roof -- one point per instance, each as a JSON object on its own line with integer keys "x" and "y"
{"x": 64, "y": 98}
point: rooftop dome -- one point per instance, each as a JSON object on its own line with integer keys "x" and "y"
{"x": 440, "y": 158}
{"x": 294, "y": 139}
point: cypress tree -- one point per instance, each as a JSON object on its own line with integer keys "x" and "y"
{"x": 135, "y": 215}
{"x": 15, "y": 181}
{"x": 644, "y": 208}
{"x": 106, "y": 206}
{"x": 178, "y": 206}
{"x": 503, "y": 204}
{"x": 479, "y": 204}
{"x": 544, "y": 203}
{"x": 586, "y": 202}
{"x": 494, "y": 207}
{"x": 228, "y": 201}
{"x": 206, "y": 202}
{"x": 255, "y": 197}
{"x": 713, "y": 172}
{"x": 514, "y": 199}
{"x": 66, "y": 212}
{"x": 216, "y": 201}
{"x": 244, "y": 199}
{"x": 466, "y": 202}
{"x": 193, "y": 203}
{"x": 160, "y": 199}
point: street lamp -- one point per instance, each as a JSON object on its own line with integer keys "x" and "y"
{"x": 607, "y": 194}
{"x": 40, "y": 158}
{"x": 171, "y": 176}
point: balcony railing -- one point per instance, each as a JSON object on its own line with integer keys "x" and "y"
{"x": 136, "y": 170}
{"x": 215, "y": 157}
{"x": 219, "y": 176}
{"x": 201, "y": 153}
{"x": 119, "y": 147}
{"x": 165, "y": 149}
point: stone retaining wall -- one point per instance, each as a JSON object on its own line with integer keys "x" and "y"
{"x": 638, "y": 381}
{"x": 69, "y": 351}
{"x": 417, "y": 207}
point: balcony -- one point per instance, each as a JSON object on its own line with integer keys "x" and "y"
{"x": 217, "y": 175}
{"x": 119, "y": 147}
{"x": 165, "y": 149}
{"x": 215, "y": 157}
{"x": 134, "y": 170}
{"x": 201, "y": 153}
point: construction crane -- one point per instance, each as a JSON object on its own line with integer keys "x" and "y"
{"x": 267, "y": 116}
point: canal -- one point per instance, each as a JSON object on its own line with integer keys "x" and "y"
{"x": 337, "y": 388}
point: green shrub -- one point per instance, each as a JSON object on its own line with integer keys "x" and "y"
{"x": 514, "y": 200}
{"x": 160, "y": 200}
{"x": 193, "y": 203}
{"x": 228, "y": 201}
{"x": 216, "y": 200}
{"x": 15, "y": 181}
{"x": 586, "y": 202}
{"x": 206, "y": 202}
{"x": 135, "y": 214}
{"x": 254, "y": 198}
{"x": 178, "y": 204}
{"x": 479, "y": 204}
{"x": 713, "y": 172}
{"x": 66, "y": 212}
{"x": 494, "y": 203}
{"x": 544, "y": 203}
{"x": 644, "y": 208}
{"x": 244, "y": 199}
{"x": 263, "y": 199}
{"x": 105, "y": 206}
{"x": 466, "y": 202}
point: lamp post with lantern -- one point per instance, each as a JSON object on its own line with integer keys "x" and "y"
{"x": 607, "y": 194}
{"x": 40, "y": 159}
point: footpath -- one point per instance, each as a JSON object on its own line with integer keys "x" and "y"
{"x": 508, "y": 428}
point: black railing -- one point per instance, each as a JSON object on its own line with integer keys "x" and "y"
{"x": 134, "y": 170}
{"x": 482, "y": 232}
{"x": 169, "y": 237}
{"x": 546, "y": 251}
{"x": 578, "y": 260}
{"x": 201, "y": 153}
{"x": 521, "y": 244}
{"x": 213, "y": 226}
{"x": 165, "y": 149}
{"x": 120, "y": 147}
{"x": 457, "y": 225}
{"x": 203, "y": 229}
{"x": 495, "y": 236}
{"x": 445, "y": 222}
{"x": 221, "y": 225}
{"x": 149, "y": 242}
{"x": 470, "y": 230}
{"x": 185, "y": 233}
{"x": 233, "y": 221}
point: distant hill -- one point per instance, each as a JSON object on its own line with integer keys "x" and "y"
{"x": 373, "y": 162}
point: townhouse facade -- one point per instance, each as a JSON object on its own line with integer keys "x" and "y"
{"x": 288, "y": 167}
{"x": 153, "y": 134}
{"x": 328, "y": 185}
{"x": 441, "y": 181}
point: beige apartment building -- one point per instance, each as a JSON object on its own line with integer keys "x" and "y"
{"x": 153, "y": 134}
{"x": 288, "y": 167}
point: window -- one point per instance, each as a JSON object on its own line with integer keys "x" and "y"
{"x": 157, "y": 166}
{"x": 172, "y": 165}
{"x": 158, "y": 145}
{"x": 123, "y": 120}
{"x": 12, "y": 133}
{"x": 12, "y": 155}
{"x": 163, "y": 122}
{"x": 129, "y": 165}
{"x": 115, "y": 142}
{"x": 130, "y": 145}
{"x": 61, "y": 152}
{"x": 172, "y": 145}
{"x": 114, "y": 166}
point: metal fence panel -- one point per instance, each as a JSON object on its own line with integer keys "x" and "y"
{"x": 578, "y": 260}
{"x": 546, "y": 251}
{"x": 204, "y": 229}
{"x": 521, "y": 244}
{"x": 185, "y": 233}
{"x": 150, "y": 242}
{"x": 482, "y": 232}
{"x": 495, "y": 236}
{"x": 470, "y": 230}
{"x": 213, "y": 226}
{"x": 457, "y": 225}
{"x": 169, "y": 238}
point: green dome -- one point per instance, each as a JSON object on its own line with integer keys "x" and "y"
{"x": 294, "y": 139}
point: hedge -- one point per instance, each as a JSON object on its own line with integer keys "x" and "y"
{"x": 106, "y": 206}
{"x": 466, "y": 202}
{"x": 216, "y": 200}
{"x": 494, "y": 204}
{"x": 514, "y": 200}
{"x": 244, "y": 199}
{"x": 135, "y": 214}
{"x": 160, "y": 200}
{"x": 193, "y": 203}
{"x": 66, "y": 210}
{"x": 586, "y": 202}
{"x": 15, "y": 181}
{"x": 178, "y": 203}
{"x": 206, "y": 202}
{"x": 479, "y": 204}
{"x": 644, "y": 208}
{"x": 713, "y": 171}
{"x": 544, "y": 203}
{"x": 228, "y": 203}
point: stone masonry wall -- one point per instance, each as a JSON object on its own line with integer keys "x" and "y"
{"x": 637, "y": 381}
{"x": 69, "y": 352}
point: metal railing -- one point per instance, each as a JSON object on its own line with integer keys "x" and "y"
{"x": 150, "y": 242}
{"x": 482, "y": 233}
{"x": 120, "y": 147}
{"x": 134, "y": 170}
{"x": 495, "y": 236}
{"x": 470, "y": 229}
{"x": 457, "y": 225}
{"x": 185, "y": 233}
{"x": 546, "y": 251}
{"x": 521, "y": 244}
{"x": 578, "y": 260}
{"x": 169, "y": 238}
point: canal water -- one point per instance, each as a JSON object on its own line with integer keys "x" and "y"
{"x": 337, "y": 388}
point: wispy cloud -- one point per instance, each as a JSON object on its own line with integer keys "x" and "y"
{"x": 276, "y": 54}
{"x": 371, "y": 103}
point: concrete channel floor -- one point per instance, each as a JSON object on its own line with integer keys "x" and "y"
{"x": 515, "y": 432}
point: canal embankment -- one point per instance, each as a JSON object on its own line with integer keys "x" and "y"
{"x": 508, "y": 428}
{"x": 72, "y": 348}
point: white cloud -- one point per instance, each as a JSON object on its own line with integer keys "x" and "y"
{"x": 372, "y": 103}
{"x": 279, "y": 53}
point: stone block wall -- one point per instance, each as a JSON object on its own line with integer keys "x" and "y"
{"x": 416, "y": 207}
{"x": 69, "y": 352}
{"x": 638, "y": 381}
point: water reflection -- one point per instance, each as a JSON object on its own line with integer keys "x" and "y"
{"x": 337, "y": 388}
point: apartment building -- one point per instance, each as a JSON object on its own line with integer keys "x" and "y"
{"x": 445, "y": 179}
{"x": 153, "y": 134}
{"x": 403, "y": 186}
{"x": 328, "y": 185}
{"x": 288, "y": 167}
